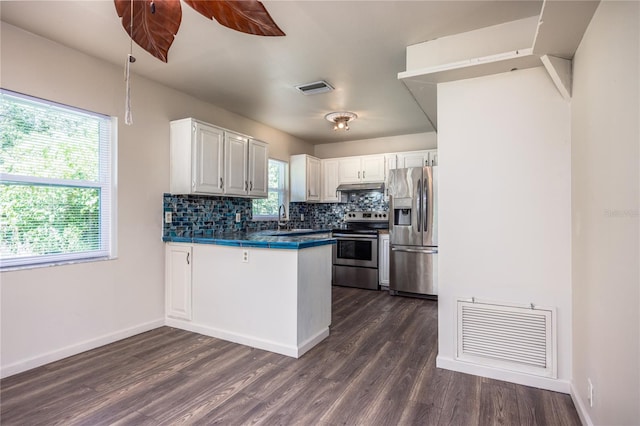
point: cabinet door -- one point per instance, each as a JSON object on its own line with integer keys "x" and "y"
{"x": 372, "y": 168}
{"x": 433, "y": 157}
{"x": 208, "y": 159}
{"x": 349, "y": 170}
{"x": 236, "y": 153}
{"x": 178, "y": 260}
{"x": 415, "y": 159}
{"x": 392, "y": 161}
{"x": 329, "y": 181}
{"x": 313, "y": 179}
{"x": 258, "y": 169}
{"x": 384, "y": 260}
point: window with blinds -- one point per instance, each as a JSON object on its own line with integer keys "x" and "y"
{"x": 56, "y": 182}
{"x": 267, "y": 208}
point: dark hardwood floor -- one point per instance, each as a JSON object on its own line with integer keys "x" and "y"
{"x": 376, "y": 368}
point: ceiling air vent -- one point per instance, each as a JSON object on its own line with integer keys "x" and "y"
{"x": 314, "y": 88}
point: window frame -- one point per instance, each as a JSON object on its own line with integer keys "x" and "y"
{"x": 284, "y": 190}
{"x": 105, "y": 183}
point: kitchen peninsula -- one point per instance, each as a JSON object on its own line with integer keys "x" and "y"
{"x": 270, "y": 290}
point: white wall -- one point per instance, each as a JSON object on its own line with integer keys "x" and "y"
{"x": 504, "y": 206}
{"x": 605, "y": 198}
{"x": 414, "y": 142}
{"x": 53, "y": 312}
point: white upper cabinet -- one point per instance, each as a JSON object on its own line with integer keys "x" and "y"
{"x": 349, "y": 170}
{"x": 196, "y": 158}
{"x": 305, "y": 178}
{"x": 258, "y": 169}
{"x": 236, "y": 155}
{"x": 369, "y": 168}
{"x": 330, "y": 181}
{"x": 414, "y": 159}
{"x": 373, "y": 168}
{"x": 433, "y": 157}
{"x": 205, "y": 159}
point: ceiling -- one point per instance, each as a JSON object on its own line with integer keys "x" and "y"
{"x": 356, "y": 46}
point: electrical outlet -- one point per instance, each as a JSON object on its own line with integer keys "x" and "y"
{"x": 167, "y": 217}
{"x": 301, "y": 217}
{"x": 245, "y": 256}
{"x": 590, "y": 392}
{"x": 238, "y": 217}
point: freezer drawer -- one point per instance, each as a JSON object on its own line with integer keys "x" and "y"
{"x": 413, "y": 270}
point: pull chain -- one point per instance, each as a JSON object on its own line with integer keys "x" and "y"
{"x": 128, "y": 117}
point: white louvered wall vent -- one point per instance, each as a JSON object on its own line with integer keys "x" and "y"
{"x": 509, "y": 337}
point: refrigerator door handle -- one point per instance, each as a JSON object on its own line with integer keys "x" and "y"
{"x": 425, "y": 207}
{"x": 419, "y": 202}
{"x": 411, "y": 250}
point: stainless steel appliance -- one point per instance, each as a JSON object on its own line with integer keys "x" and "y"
{"x": 355, "y": 254}
{"x": 413, "y": 230}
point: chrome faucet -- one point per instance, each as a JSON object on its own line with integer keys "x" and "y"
{"x": 282, "y": 217}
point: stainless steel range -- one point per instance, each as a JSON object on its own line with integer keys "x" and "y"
{"x": 355, "y": 255}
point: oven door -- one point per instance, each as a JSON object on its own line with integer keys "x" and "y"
{"x": 355, "y": 250}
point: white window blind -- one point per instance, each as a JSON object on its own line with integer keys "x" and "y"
{"x": 267, "y": 208}
{"x": 56, "y": 182}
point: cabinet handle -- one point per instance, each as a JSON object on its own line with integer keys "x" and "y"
{"x": 308, "y": 193}
{"x": 188, "y": 259}
{"x": 251, "y": 186}
{"x": 363, "y": 174}
{"x": 246, "y": 185}
{"x": 358, "y": 174}
{"x": 220, "y": 183}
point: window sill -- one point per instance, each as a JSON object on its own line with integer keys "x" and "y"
{"x": 58, "y": 263}
{"x": 265, "y": 219}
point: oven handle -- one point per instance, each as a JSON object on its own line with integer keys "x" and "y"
{"x": 425, "y": 251}
{"x": 355, "y": 237}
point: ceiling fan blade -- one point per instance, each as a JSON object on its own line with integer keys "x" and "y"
{"x": 247, "y": 16}
{"x": 154, "y": 26}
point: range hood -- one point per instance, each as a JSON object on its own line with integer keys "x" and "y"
{"x": 361, "y": 187}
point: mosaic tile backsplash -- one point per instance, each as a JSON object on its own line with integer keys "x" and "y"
{"x": 203, "y": 216}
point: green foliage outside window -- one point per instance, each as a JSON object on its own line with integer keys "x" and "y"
{"x": 268, "y": 207}
{"x": 50, "y": 192}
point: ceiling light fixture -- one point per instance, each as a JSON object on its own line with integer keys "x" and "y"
{"x": 341, "y": 120}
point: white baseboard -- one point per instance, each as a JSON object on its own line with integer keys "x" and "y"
{"x": 551, "y": 384}
{"x": 581, "y": 408}
{"x": 255, "y": 342}
{"x": 312, "y": 341}
{"x": 58, "y": 354}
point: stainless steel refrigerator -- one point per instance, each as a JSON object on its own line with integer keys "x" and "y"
{"x": 413, "y": 229}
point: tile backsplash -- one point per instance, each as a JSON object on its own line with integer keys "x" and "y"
{"x": 203, "y": 216}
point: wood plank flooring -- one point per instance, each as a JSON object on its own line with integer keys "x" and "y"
{"x": 376, "y": 368}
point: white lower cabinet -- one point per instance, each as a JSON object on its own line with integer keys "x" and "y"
{"x": 178, "y": 285}
{"x": 383, "y": 259}
{"x": 231, "y": 293}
